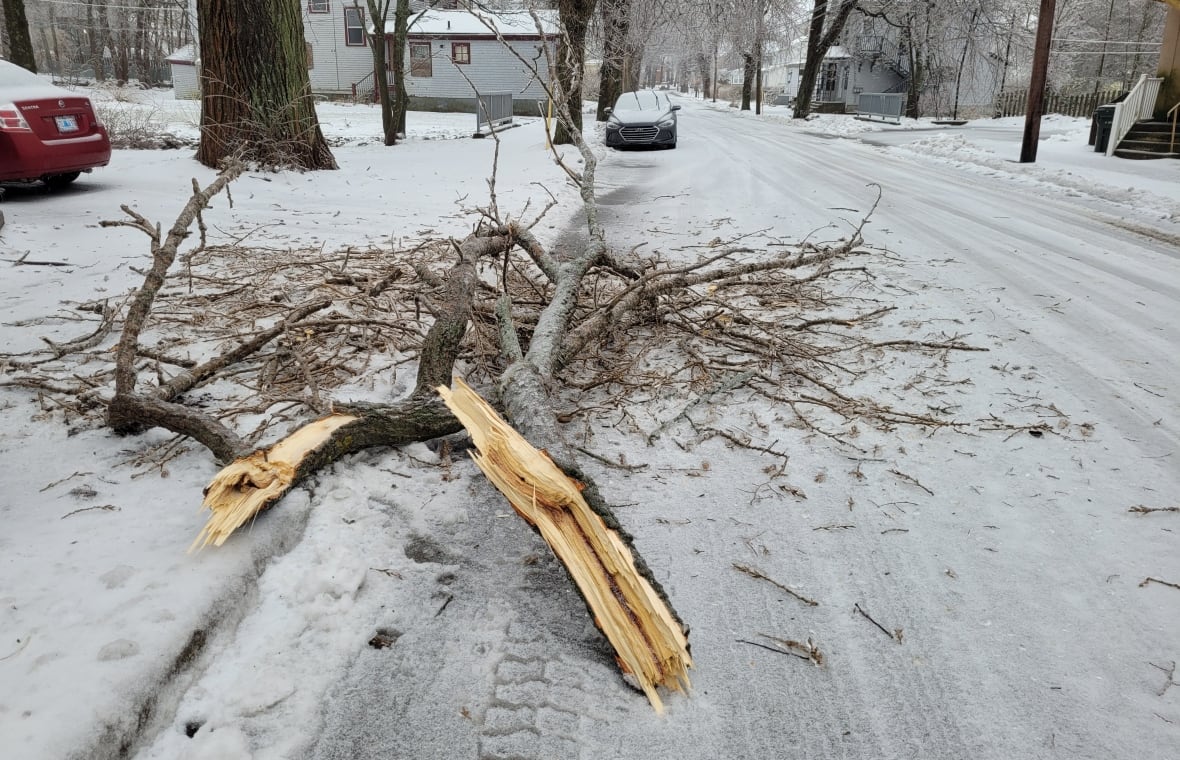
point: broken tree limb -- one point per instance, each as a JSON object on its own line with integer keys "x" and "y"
{"x": 648, "y": 639}
{"x": 253, "y": 483}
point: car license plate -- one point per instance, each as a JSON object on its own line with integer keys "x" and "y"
{"x": 67, "y": 123}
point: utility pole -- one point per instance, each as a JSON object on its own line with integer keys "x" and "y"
{"x": 1036, "y": 87}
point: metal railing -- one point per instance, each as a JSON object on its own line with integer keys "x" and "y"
{"x": 1173, "y": 114}
{"x": 1138, "y": 105}
{"x": 885, "y": 105}
{"x": 492, "y": 109}
{"x": 365, "y": 91}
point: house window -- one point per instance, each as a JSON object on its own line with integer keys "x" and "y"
{"x": 420, "y": 59}
{"x": 354, "y": 28}
{"x": 461, "y": 52}
{"x": 319, "y": 6}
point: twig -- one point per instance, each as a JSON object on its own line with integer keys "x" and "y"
{"x": 610, "y": 463}
{"x": 776, "y": 650}
{"x": 1142, "y": 510}
{"x": 911, "y": 479}
{"x": 1157, "y": 580}
{"x": 1171, "y": 674}
{"x": 896, "y": 635}
{"x": 756, "y": 574}
{"x": 103, "y": 507}
{"x": 834, "y": 527}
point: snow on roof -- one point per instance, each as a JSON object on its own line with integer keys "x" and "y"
{"x": 186, "y": 54}
{"x": 474, "y": 24}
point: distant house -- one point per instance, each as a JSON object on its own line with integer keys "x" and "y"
{"x": 444, "y": 49}
{"x": 185, "y": 83}
{"x": 453, "y": 53}
{"x": 486, "y": 47}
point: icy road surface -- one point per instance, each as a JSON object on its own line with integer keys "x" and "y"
{"x": 1007, "y": 564}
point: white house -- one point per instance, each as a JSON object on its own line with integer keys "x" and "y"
{"x": 442, "y": 47}
{"x": 453, "y": 54}
{"x": 185, "y": 83}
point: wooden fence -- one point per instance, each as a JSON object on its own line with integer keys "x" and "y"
{"x": 1016, "y": 103}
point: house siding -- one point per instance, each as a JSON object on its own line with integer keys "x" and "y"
{"x": 337, "y": 66}
{"x": 493, "y": 68}
{"x": 184, "y": 81}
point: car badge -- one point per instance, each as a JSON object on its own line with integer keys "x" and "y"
{"x": 61, "y": 104}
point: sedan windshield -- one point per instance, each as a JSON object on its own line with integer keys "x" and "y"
{"x": 638, "y": 101}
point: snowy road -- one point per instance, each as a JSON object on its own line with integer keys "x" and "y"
{"x": 979, "y": 593}
{"x": 1009, "y": 562}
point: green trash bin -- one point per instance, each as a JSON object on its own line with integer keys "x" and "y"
{"x": 1101, "y": 126}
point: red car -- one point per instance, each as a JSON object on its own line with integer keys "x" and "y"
{"x": 46, "y": 133}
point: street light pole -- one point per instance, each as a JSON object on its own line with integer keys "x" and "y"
{"x": 1036, "y": 87}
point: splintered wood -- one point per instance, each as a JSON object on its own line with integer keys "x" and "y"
{"x": 647, "y": 639}
{"x": 252, "y": 483}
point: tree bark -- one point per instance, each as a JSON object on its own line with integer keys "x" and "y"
{"x": 20, "y": 44}
{"x": 378, "y": 13}
{"x": 401, "y": 97}
{"x": 256, "y": 99}
{"x": 616, "y": 23}
{"x": 575, "y": 21}
{"x": 747, "y": 79}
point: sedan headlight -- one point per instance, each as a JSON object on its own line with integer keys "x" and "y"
{"x": 669, "y": 121}
{"x": 613, "y": 123}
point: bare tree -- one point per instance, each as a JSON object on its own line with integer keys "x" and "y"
{"x": 616, "y": 23}
{"x": 379, "y": 14}
{"x": 20, "y": 44}
{"x": 575, "y": 22}
{"x": 256, "y": 98}
{"x": 825, "y": 27}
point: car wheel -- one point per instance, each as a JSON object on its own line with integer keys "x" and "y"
{"x": 58, "y": 181}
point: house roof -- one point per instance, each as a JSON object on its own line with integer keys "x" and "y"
{"x": 515, "y": 24}
{"x": 186, "y": 54}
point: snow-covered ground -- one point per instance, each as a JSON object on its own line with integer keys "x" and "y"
{"x": 113, "y": 640}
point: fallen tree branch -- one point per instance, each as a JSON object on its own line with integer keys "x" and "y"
{"x": 647, "y": 637}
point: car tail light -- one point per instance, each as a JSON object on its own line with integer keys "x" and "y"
{"x": 11, "y": 119}
{"x": 94, "y": 117}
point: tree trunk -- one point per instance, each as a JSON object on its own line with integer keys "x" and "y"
{"x": 256, "y": 99}
{"x": 94, "y": 38}
{"x": 20, "y": 44}
{"x": 400, "y": 95}
{"x": 820, "y": 38}
{"x": 378, "y": 13}
{"x": 575, "y": 20}
{"x": 616, "y": 23}
{"x": 747, "y": 79}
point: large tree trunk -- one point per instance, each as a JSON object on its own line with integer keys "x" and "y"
{"x": 616, "y": 23}
{"x": 822, "y": 34}
{"x": 20, "y": 45}
{"x": 256, "y": 99}
{"x": 575, "y": 20}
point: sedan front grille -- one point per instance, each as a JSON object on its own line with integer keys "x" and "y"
{"x": 639, "y": 134}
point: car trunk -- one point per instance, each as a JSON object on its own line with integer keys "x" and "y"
{"x": 57, "y": 118}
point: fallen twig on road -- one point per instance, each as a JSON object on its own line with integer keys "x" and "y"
{"x": 1145, "y": 581}
{"x": 1142, "y": 510}
{"x": 896, "y": 634}
{"x": 756, "y": 574}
